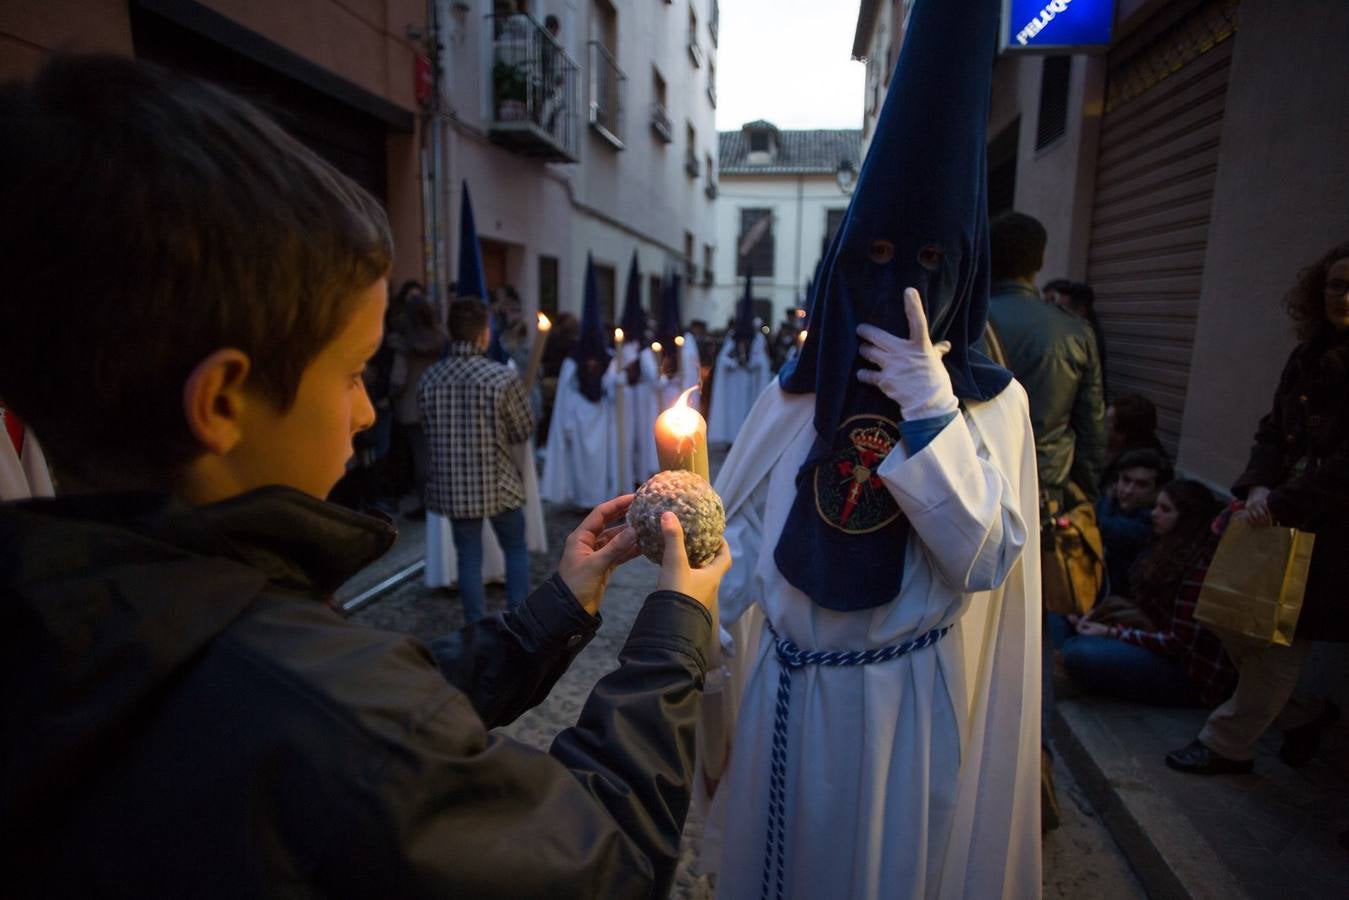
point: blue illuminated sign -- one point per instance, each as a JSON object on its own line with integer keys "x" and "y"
{"x": 1058, "y": 25}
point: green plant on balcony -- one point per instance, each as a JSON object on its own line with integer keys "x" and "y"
{"x": 510, "y": 88}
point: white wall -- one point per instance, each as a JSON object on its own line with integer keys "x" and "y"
{"x": 799, "y": 204}
{"x": 611, "y": 200}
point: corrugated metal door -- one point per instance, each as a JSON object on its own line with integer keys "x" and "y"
{"x": 1165, "y": 91}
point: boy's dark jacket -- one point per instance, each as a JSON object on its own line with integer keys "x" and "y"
{"x": 185, "y": 716}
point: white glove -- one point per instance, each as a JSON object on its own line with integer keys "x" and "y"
{"x": 909, "y": 372}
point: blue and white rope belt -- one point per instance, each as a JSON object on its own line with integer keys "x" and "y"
{"x": 790, "y": 658}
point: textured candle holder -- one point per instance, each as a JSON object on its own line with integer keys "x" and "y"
{"x": 693, "y": 501}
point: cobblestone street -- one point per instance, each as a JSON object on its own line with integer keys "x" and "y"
{"x": 1080, "y": 858}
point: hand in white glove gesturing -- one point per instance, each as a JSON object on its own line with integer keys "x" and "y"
{"x": 909, "y": 372}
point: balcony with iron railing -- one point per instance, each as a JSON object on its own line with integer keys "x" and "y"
{"x": 534, "y": 90}
{"x": 661, "y": 124}
{"x": 607, "y": 83}
{"x": 714, "y": 22}
{"x": 691, "y": 164}
{"x": 710, "y": 189}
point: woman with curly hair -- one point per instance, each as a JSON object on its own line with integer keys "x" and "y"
{"x": 1298, "y": 476}
{"x": 1150, "y": 649}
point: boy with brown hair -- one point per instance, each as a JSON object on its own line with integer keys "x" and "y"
{"x": 184, "y": 714}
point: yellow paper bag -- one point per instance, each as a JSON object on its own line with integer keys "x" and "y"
{"x": 1255, "y": 583}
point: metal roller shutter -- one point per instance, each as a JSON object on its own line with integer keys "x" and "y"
{"x": 1165, "y": 91}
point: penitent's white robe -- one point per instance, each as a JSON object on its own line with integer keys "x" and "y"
{"x": 736, "y": 387}
{"x": 580, "y": 464}
{"x": 690, "y": 373}
{"x": 917, "y": 777}
{"x": 641, "y": 406}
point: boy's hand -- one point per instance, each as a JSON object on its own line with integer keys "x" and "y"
{"x": 591, "y": 552}
{"x": 676, "y": 574}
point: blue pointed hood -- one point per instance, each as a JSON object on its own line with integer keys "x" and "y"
{"x": 471, "y": 282}
{"x": 633, "y": 322}
{"x": 591, "y": 351}
{"x": 918, "y": 218}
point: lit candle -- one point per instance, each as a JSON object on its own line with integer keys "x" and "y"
{"x": 536, "y": 351}
{"x": 624, "y": 480}
{"x": 656, "y": 347}
{"x": 681, "y": 437}
{"x": 801, "y": 338}
{"x": 679, "y": 340}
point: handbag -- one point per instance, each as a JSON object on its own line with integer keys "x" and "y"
{"x": 1255, "y": 584}
{"x": 1072, "y": 557}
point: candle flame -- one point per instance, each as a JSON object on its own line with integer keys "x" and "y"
{"x": 655, "y": 347}
{"x": 544, "y": 323}
{"x": 618, "y": 335}
{"x": 683, "y": 419}
{"x": 764, "y": 329}
{"x": 800, "y": 313}
{"x": 802, "y": 336}
{"x": 679, "y": 340}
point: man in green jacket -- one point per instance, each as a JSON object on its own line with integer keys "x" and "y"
{"x": 1053, "y": 355}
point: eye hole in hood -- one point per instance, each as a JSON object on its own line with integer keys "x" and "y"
{"x": 930, "y": 257}
{"x": 881, "y": 251}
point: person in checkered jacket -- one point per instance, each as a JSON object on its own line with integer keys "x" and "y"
{"x": 473, "y": 410}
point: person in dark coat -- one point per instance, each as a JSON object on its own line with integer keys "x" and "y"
{"x": 1298, "y": 476}
{"x": 185, "y": 715}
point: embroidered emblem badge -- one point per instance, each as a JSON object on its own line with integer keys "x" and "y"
{"x": 849, "y": 494}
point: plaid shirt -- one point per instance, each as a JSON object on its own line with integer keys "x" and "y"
{"x": 473, "y": 409}
{"x": 1182, "y": 638}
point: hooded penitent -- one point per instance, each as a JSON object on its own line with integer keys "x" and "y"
{"x": 670, "y": 324}
{"x": 918, "y": 218}
{"x": 744, "y": 319}
{"x": 634, "y": 320}
{"x": 471, "y": 282}
{"x": 591, "y": 352}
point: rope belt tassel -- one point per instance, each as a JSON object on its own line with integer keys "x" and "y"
{"x": 791, "y": 658}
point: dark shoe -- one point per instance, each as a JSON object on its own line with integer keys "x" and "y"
{"x": 1300, "y": 743}
{"x": 1049, "y": 801}
{"x": 1196, "y": 759}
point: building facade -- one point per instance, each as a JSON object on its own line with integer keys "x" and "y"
{"x": 596, "y": 139}
{"x": 1187, "y": 173}
{"x": 340, "y": 76}
{"x": 800, "y": 181}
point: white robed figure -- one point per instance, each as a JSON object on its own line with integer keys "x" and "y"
{"x": 638, "y": 386}
{"x": 742, "y": 371}
{"x": 883, "y": 611}
{"x": 580, "y": 466}
{"x": 442, "y": 560}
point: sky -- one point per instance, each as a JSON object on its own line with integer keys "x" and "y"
{"x": 790, "y": 62}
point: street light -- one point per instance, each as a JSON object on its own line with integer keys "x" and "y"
{"x": 846, "y": 175}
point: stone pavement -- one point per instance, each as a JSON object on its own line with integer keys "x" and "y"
{"x": 1271, "y": 834}
{"x": 1081, "y": 860}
